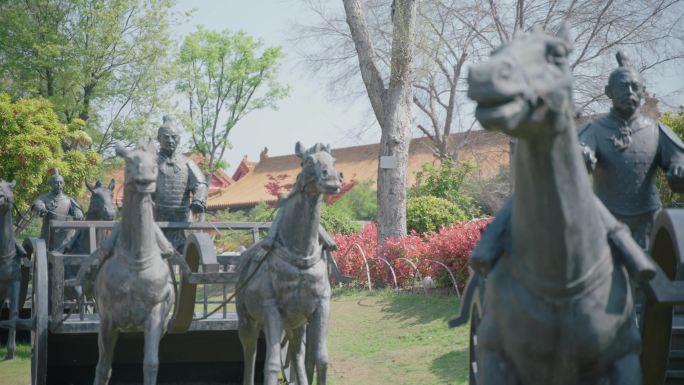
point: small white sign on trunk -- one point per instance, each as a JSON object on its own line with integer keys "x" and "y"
{"x": 388, "y": 162}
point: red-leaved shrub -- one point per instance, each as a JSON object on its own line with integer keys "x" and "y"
{"x": 451, "y": 245}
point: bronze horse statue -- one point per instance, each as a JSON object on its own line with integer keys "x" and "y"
{"x": 100, "y": 208}
{"x": 558, "y": 307}
{"x": 286, "y": 290}
{"x": 133, "y": 287}
{"x": 10, "y": 263}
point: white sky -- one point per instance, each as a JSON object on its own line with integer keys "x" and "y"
{"x": 308, "y": 115}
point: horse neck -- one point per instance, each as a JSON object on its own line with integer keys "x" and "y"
{"x": 92, "y": 215}
{"x": 301, "y": 216}
{"x": 6, "y": 233}
{"x": 557, "y": 232}
{"x": 138, "y": 234}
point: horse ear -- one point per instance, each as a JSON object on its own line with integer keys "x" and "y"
{"x": 89, "y": 186}
{"x": 564, "y": 33}
{"x": 121, "y": 151}
{"x": 112, "y": 183}
{"x": 98, "y": 184}
{"x": 327, "y": 148}
{"x": 300, "y": 149}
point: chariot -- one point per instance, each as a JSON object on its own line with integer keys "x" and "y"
{"x": 201, "y": 345}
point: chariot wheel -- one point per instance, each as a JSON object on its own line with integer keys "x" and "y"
{"x": 471, "y": 314}
{"x": 662, "y": 353}
{"x": 39, "y": 312}
{"x": 24, "y": 285}
{"x": 199, "y": 251}
{"x": 475, "y": 317}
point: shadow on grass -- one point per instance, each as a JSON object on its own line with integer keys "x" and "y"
{"x": 416, "y": 308}
{"x": 451, "y": 366}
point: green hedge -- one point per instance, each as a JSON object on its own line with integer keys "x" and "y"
{"x": 428, "y": 213}
{"x": 338, "y": 221}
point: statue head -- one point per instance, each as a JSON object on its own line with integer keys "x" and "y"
{"x": 625, "y": 87}
{"x": 6, "y": 195}
{"x": 525, "y": 88}
{"x": 56, "y": 182}
{"x": 168, "y": 136}
{"x": 140, "y": 172}
{"x": 319, "y": 171}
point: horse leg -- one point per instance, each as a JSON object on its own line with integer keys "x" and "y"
{"x": 626, "y": 371}
{"x": 317, "y": 344}
{"x": 154, "y": 329}
{"x": 296, "y": 354}
{"x": 248, "y": 331}
{"x": 273, "y": 330}
{"x": 13, "y": 315}
{"x": 106, "y": 341}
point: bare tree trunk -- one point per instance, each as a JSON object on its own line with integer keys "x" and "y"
{"x": 392, "y": 108}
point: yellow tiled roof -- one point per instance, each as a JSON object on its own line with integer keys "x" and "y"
{"x": 489, "y": 150}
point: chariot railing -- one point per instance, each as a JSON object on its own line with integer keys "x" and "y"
{"x": 215, "y": 277}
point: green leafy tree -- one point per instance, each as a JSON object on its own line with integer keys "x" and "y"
{"x": 104, "y": 62}
{"x": 31, "y": 146}
{"x": 447, "y": 181}
{"x": 675, "y": 120}
{"x": 360, "y": 203}
{"x": 337, "y": 220}
{"x": 225, "y": 76}
{"x": 427, "y": 213}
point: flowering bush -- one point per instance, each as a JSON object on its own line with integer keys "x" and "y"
{"x": 451, "y": 245}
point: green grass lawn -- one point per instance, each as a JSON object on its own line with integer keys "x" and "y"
{"x": 374, "y": 338}
{"x": 396, "y": 338}
{"x": 17, "y": 371}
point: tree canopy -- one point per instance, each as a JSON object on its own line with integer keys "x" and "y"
{"x": 104, "y": 62}
{"x": 675, "y": 120}
{"x": 31, "y": 147}
{"x": 224, "y": 76}
{"x": 453, "y": 34}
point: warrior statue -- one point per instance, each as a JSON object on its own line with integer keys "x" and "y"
{"x": 178, "y": 178}
{"x": 58, "y": 206}
{"x": 624, "y": 148}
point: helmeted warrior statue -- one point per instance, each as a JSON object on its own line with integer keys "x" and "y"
{"x": 58, "y": 206}
{"x": 178, "y": 178}
{"x": 624, "y": 148}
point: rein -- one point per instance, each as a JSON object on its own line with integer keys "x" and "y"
{"x": 237, "y": 289}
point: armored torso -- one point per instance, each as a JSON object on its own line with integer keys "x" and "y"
{"x": 627, "y": 156}
{"x": 59, "y": 207}
{"x": 172, "y": 187}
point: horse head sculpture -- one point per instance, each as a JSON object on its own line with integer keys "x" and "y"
{"x": 101, "y": 201}
{"x": 6, "y": 195}
{"x": 140, "y": 172}
{"x": 525, "y": 86}
{"x": 318, "y": 169}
